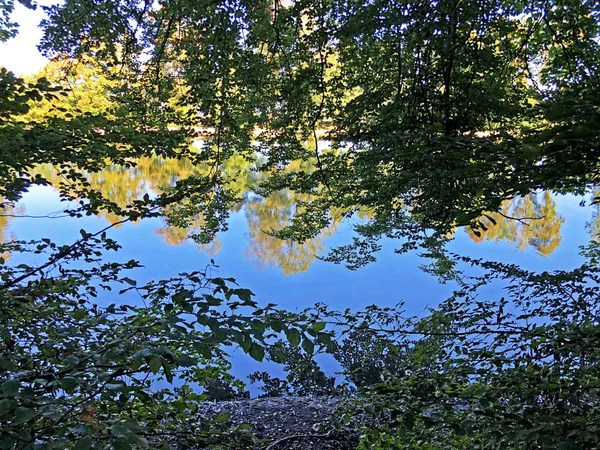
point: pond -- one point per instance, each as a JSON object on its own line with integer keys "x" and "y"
{"x": 290, "y": 274}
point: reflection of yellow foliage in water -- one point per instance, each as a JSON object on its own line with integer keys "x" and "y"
{"x": 540, "y": 225}
{"x": 173, "y": 235}
{"x": 6, "y": 210}
{"x": 123, "y": 185}
{"x": 154, "y": 175}
{"x": 272, "y": 214}
{"x": 593, "y": 225}
{"x": 4, "y": 234}
{"x": 177, "y": 236}
{"x": 213, "y": 248}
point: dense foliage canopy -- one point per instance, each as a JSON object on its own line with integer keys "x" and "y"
{"x": 440, "y": 108}
{"x": 418, "y": 116}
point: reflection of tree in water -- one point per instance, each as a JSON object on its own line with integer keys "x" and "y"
{"x": 7, "y": 210}
{"x": 539, "y": 226}
{"x": 272, "y": 214}
{"x": 155, "y": 175}
{"x": 593, "y": 225}
{"x": 174, "y": 235}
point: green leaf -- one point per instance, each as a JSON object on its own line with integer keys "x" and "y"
{"x": 318, "y": 326}
{"x": 223, "y": 418}
{"x": 293, "y": 337}
{"x": 244, "y": 294}
{"x": 6, "y": 405}
{"x": 168, "y": 373}
{"x": 144, "y": 353}
{"x": 119, "y": 430}
{"x": 129, "y": 281}
{"x": 69, "y": 384}
{"x": 155, "y": 364}
{"x": 83, "y": 444}
{"x": 133, "y": 425}
{"x": 325, "y": 338}
{"x": 258, "y": 326}
{"x": 122, "y": 444}
{"x": 308, "y": 346}
{"x": 11, "y": 387}
{"x": 186, "y": 361}
{"x": 257, "y": 352}
{"x": 276, "y": 325}
{"x": 203, "y": 349}
{"x": 23, "y": 414}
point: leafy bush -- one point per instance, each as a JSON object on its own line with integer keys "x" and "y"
{"x": 520, "y": 371}
{"x": 368, "y": 357}
{"x": 74, "y": 371}
{"x": 304, "y": 375}
{"x": 220, "y": 389}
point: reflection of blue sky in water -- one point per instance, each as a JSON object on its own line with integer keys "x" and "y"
{"x": 253, "y": 259}
{"x": 393, "y": 278}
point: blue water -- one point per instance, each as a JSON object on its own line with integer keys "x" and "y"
{"x": 391, "y": 279}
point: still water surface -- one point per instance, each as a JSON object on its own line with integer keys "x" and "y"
{"x": 289, "y": 274}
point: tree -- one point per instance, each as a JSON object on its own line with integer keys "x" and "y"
{"x": 81, "y": 372}
{"x": 436, "y": 112}
{"x": 86, "y": 90}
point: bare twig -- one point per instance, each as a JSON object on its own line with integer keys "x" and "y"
{"x": 299, "y": 436}
{"x": 62, "y": 254}
{"x": 27, "y": 216}
{"x": 523, "y": 220}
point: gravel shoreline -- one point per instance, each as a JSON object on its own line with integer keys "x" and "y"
{"x": 288, "y": 422}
